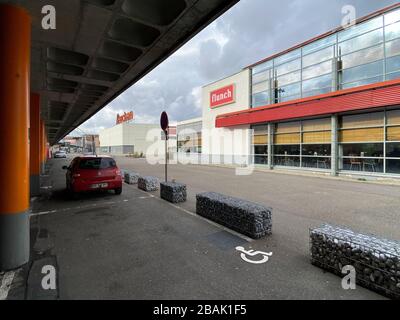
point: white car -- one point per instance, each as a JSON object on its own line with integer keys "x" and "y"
{"x": 60, "y": 154}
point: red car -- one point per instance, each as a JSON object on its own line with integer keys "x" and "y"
{"x": 93, "y": 173}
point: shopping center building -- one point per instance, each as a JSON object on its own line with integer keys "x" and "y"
{"x": 331, "y": 104}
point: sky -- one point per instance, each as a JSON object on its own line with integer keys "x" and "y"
{"x": 251, "y": 31}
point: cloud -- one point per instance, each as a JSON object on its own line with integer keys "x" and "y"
{"x": 249, "y": 32}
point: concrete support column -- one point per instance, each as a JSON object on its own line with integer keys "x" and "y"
{"x": 34, "y": 145}
{"x": 270, "y": 144}
{"x": 334, "y": 147}
{"x": 15, "y": 44}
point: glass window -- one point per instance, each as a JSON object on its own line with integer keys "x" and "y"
{"x": 363, "y": 72}
{"x": 287, "y": 161}
{"x": 362, "y": 165}
{"x": 393, "y": 64}
{"x": 317, "y": 70}
{"x": 393, "y": 150}
{"x": 319, "y": 56}
{"x": 393, "y": 48}
{"x": 363, "y": 57}
{"x": 289, "y": 78}
{"x": 293, "y": 149}
{"x": 261, "y": 150}
{"x": 392, "y": 31}
{"x": 374, "y": 150}
{"x": 260, "y": 87}
{"x": 288, "y": 56}
{"x": 392, "y": 17}
{"x": 319, "y": 44}
{"x": 316, "y": 92}
{"x": 362, "y": 82}
{"x": 393, "y": 166}
{"x": 393, "y": 117}
{"x": 317, "y": 150}
{"x": 393, "y": 76}
{"x": 262, "y": 67}
{"x": 316, "y": 83}
{"x": 260, "y": 160}
{"x": 289, "y": 67}
{"x": 367, "y": 40}
{"x": 360, "y": 29}
{"x": 316, "y": 162}
{"x": 261, "y": 99}
{"x": 97, "y": 163}
{"x": 262, "y": 76}
{"x": 290, "y": 90}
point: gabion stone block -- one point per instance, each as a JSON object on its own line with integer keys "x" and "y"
{"x": 173, "y": 192}
{"x": 248, "y": 218}
{"x": 148, "y": 183}
{"x": 375, "y": 260}
{"x": 131, "y": 177}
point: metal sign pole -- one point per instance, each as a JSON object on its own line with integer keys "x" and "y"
{"x": 166, "y": 156}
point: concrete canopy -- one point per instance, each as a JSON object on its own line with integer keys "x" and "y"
{"x": 101, "y": 47}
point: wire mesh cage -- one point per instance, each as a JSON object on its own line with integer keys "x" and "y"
{"x": 375, "y": 260}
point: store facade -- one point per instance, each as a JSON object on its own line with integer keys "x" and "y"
{"x": 331, "y": 104}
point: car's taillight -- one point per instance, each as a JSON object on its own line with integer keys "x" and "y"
{"x": 118, "y": 173}
{"x": 76, "y": 175}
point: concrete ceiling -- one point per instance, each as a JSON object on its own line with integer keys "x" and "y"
{"x": 102, "y": 47}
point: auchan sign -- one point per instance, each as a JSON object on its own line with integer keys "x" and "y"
{"x": 223, "y": 96}
{"x": 127, "y": 116}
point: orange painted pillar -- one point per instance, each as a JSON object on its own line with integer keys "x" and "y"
{"x": 15, "y": 45}
{"x": 34, "y": 145}
{"x": 42, "y": 146}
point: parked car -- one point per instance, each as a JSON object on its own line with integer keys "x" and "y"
{"x": 93, "y": 173}
{"x": 60, "y": 154}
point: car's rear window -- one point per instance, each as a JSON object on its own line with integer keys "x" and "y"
{"x": 97, "y": 163}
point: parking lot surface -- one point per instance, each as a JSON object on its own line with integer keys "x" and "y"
{"x": 137, "y": 246}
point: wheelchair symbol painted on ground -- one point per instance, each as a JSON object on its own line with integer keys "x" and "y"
{"x": 263, "y": 257}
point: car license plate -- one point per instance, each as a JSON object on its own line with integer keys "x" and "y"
{"x": 99, "y": 185}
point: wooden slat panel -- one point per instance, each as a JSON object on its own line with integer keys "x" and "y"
{"x": 291, "y": 138}
{"x": 317, "y": 137}
{"x": 362, "y": 135}
{"x": 288, "y": 127}
{"x": 363, "y": 120}
{"x": 393, "y": 134}
{"x": 317, "y": 125}
{"x": 260, "y": 139}
{"x": 393, "y": 117}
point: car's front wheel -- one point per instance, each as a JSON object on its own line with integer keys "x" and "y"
{"x": 118, "y": 191}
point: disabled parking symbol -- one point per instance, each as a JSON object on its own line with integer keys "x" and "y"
{"x": 246, "y": 255}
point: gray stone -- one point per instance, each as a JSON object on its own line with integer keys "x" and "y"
{"x": 248, "y": 218}
{"x": 374, "y": 259}
{"x": 131, "y": 177}
{"x": 148, "y": 183}
{"x": 173, "y": 192}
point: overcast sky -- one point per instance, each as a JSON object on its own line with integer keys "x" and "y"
{"x": 249, "y": 32}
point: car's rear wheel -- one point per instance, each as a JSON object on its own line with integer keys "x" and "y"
{"x": 118, "y": 191}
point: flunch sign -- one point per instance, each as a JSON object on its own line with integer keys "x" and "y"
{"x": 223, "y": 96}
{"x": 127, "y": 116}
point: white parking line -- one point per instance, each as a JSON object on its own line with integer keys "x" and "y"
{"x": 6, "y": 284}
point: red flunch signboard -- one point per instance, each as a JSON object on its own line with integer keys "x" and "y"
{"x": 125, "y": 117}
{"x": 223, "y": 96}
